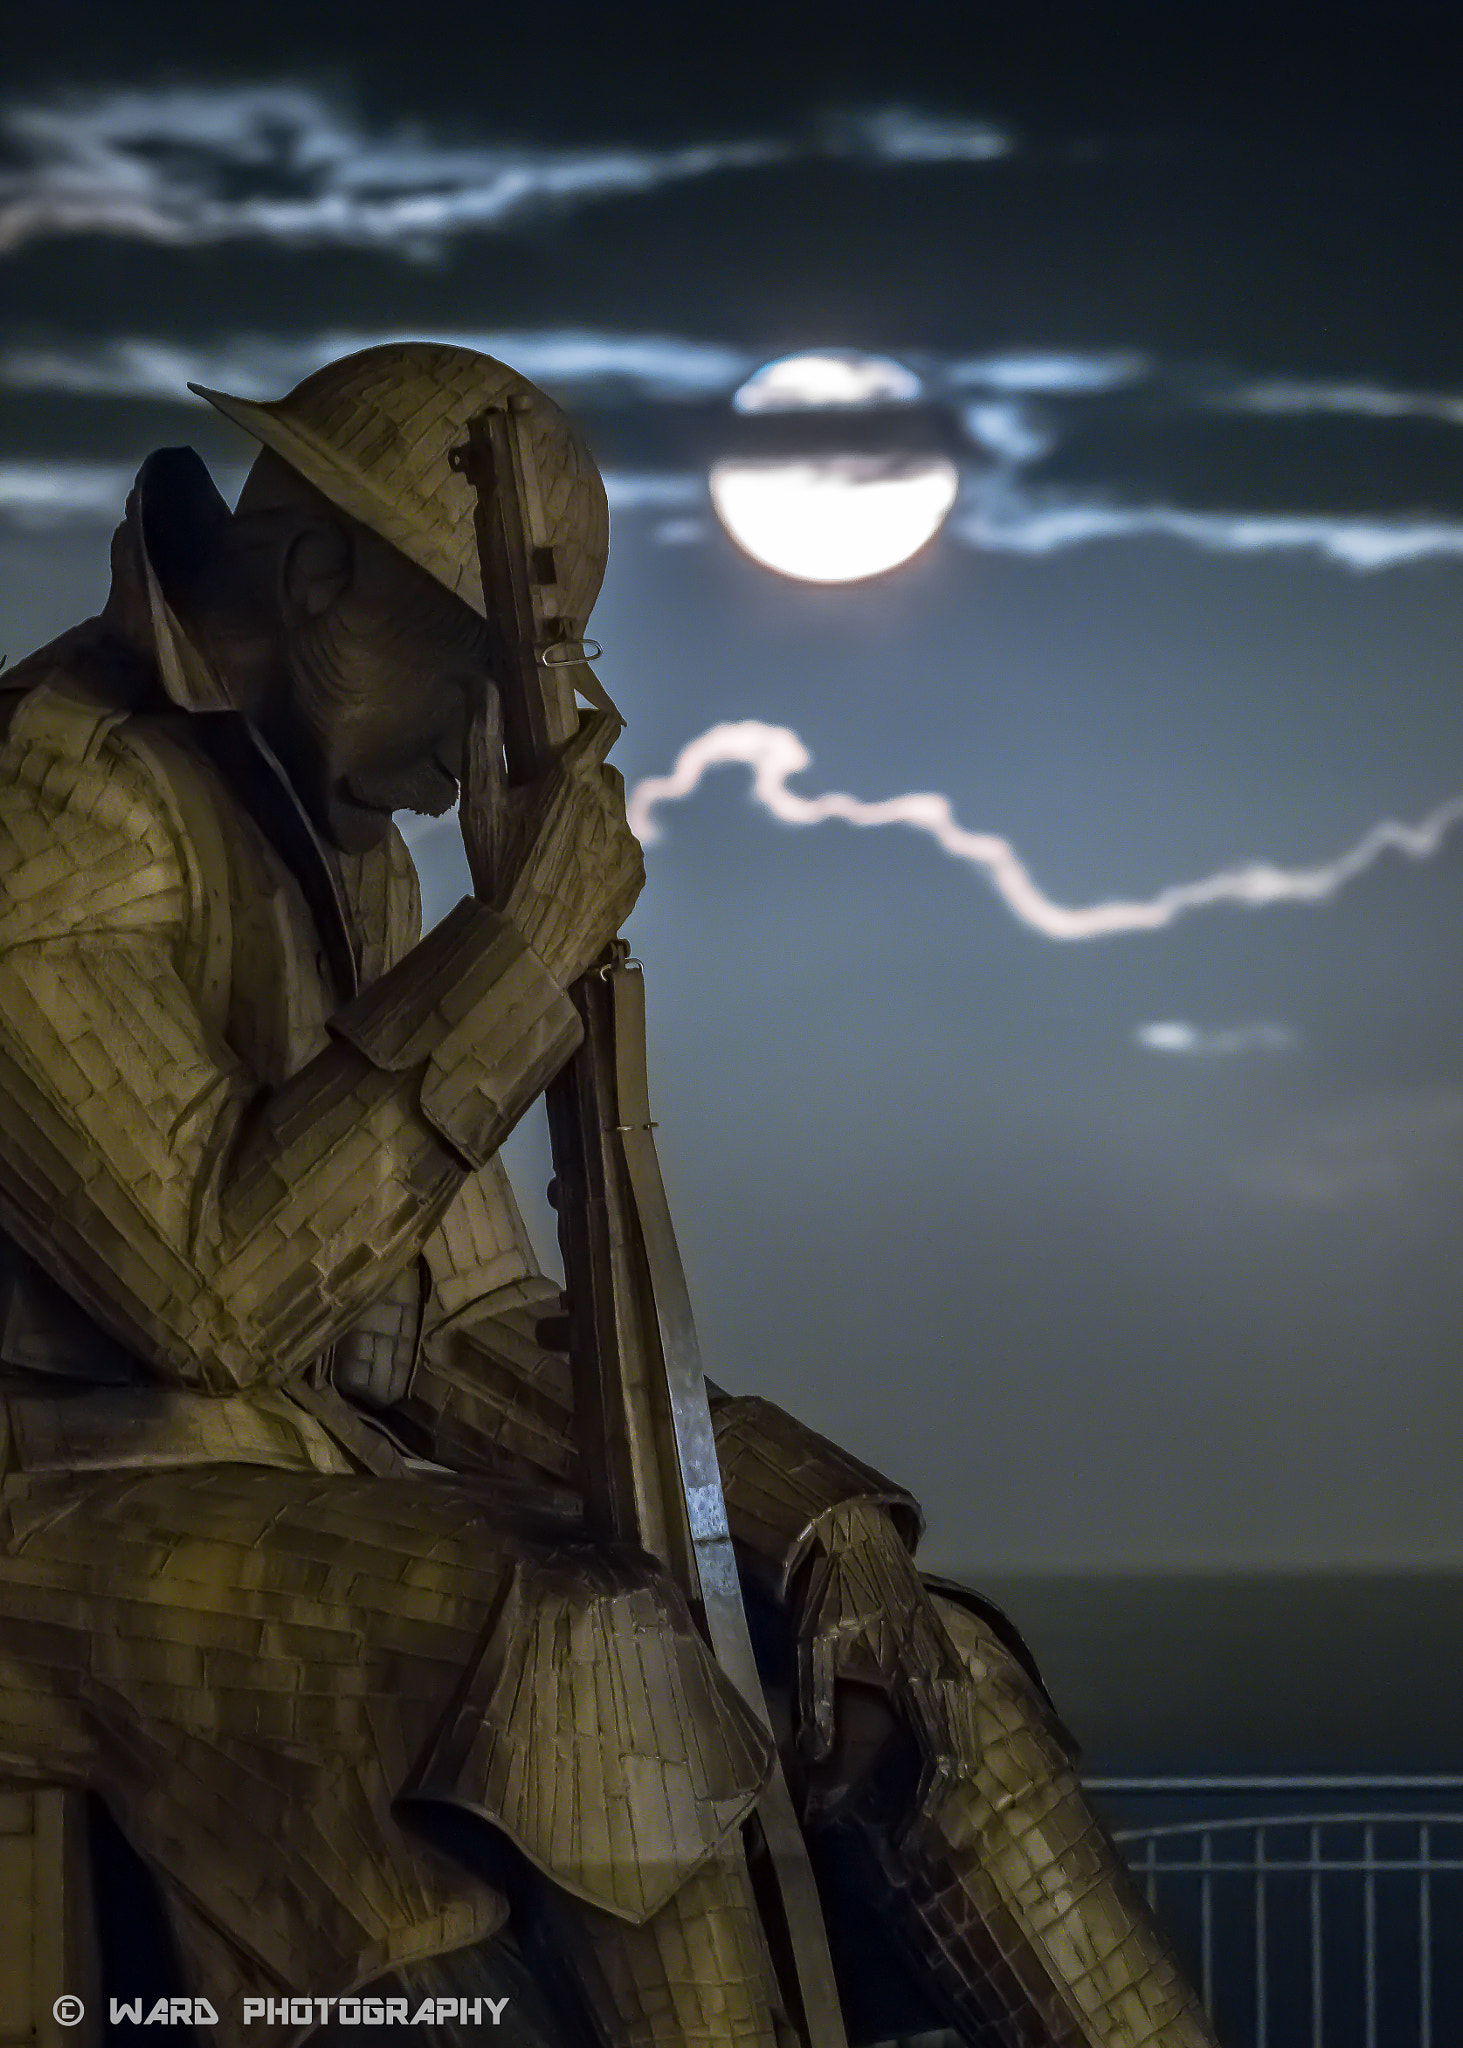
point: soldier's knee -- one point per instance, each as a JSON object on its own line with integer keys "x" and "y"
{"x": 595, "y": 1710}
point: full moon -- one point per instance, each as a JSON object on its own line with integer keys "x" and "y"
{"x": 837, "y": 518}
{"x": 834, "y": 518}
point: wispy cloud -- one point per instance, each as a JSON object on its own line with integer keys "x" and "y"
{"x": 1198, "y": 1041}
{"x": 289, "y": 165}
{"x": 60, "y": 493}
{"x": 681, "y": 533}
{"x": 1055, "y": 372}
{"x": 904, "y": 135}
{"x": 655, "y": 491}
{"x": 1014, "y": 433}
{"x": 656, "y": 366}
{"x": 775, "y": 754}
{"x": 265, "y": 365}
{"x": 1364, "y": 1155}
{"x": 282, "y": 163}
{"x": 1291, "y": 397}
{"x": 44, "y": 495}
{"x": 1000, "y": 517}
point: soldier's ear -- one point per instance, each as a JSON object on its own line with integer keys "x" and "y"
{"x": 316, "y": 568}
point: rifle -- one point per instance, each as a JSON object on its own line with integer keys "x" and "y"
{"x": 646, "y": 1446}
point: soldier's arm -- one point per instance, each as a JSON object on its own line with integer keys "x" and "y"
{"x": 224, "y": 1231}
{"x": 487, "y": 1396}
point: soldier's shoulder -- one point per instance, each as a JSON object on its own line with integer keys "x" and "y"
{"x": 87, "y": 663}
{"x": 75, "y": 758}
{"x": 60, "y": 713}
{"x": 85, "y": 678}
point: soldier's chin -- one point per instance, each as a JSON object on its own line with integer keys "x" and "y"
{"x": 437, "y": 805}
{"x": 356, "y": 827}
{"x": 431, "y": 792}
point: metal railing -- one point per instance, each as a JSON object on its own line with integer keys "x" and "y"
{"x": 1336, "y": 1926}
{"x": 1309, "y": 1912}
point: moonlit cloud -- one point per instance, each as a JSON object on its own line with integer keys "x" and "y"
{"x": 681, "y": 533}
{"x": 826, "y": 377}
{"x": 1225, "y": 1041}
{"x": 1010, "y": 432}
{"x": 1291, "y": 397}
{"x": 902, "y": 135}
{"x": 775, "y": 754}
{"x": 1002, "y": 519}
{"x": 289, "y": 165}
{"x": 283, "y": 163}
{"x": 654, "y": 491}
{"x": 1043, "y": 371}
{"x": 62, "y": 493}
{"x": 266, "y": 365}
{"x": 47, "y": 495}
{"x": 656, "y": 366}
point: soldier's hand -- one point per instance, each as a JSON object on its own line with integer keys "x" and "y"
{"x": 866, "y": 1622}
{"x": 482, "y": 805}
{"x": 568, "y": 870}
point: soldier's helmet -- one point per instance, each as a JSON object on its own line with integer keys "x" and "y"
{"x": 373, "y": 432}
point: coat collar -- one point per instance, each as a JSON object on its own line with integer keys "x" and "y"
{"x": 173, "y": 511}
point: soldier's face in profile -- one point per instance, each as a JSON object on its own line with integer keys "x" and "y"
{"x": 385, "y": 668}
{"x": 368, "y": 670}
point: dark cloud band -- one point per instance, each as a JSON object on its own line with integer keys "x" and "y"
{"x": 290, "y": 166}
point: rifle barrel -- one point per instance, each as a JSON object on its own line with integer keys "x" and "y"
{"x": 643, "y": 1429}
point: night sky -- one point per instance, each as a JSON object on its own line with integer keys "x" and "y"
{"x": 1125, "y": 1251}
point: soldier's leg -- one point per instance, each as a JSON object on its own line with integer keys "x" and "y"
{"x": 600, "y": 1742}
{"x": 1000, "y": 1883}
{"x": 489, "y": 1992}
{"x": 695, "y": 1975}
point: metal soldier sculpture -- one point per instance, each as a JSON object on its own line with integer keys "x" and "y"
{"x": 300, "y": 1567}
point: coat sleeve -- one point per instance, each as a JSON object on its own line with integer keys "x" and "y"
{"x": 486, "y": 1395}
{"x": 227, "y": 1233}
